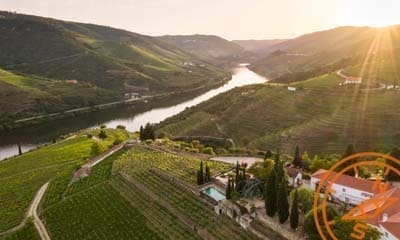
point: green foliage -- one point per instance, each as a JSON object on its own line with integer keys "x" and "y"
{"x": 294, "y": 212}
{"x": 343, "y": 230}
{"x": 261, "y": 170}
{"x": 297, "y": 160}
{"x": 323, "y": 162}
{"x": 350, "y": 150}
{"x": 102, "y": 134}
{"x": 228, "y": 190}
{"x": 27, "y": 232}
{"x": 147, "y": 133}
{"x": 309, "y": 226}
{"x": 392, "y": 176}
{"x": 268, "y": 154}
{"x": 103, "y": 126}
{"x": 97, "y": 205}
{"x": 22, "y": 176}
{"x": 271, "y": 194}
{"x": 95, "y": 149}
{"x": 305, "y": 198}
{"x": 282, "y": 202}
{"x": 208, "y": 150}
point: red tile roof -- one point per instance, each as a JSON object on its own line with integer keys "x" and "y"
{"x": 348, "y": 181}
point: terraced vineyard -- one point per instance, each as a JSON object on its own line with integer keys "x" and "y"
{"x": 28, "y": 232}
{"x": 142, "y": 205}
{"x": 142, "y": 160}
{"x": 22, "y": 176}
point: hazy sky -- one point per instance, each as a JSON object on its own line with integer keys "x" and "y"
{"x": 232, "y": 19}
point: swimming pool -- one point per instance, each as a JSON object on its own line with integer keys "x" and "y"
{"x": 214, "y": 194}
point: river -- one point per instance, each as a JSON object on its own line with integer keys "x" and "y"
{"x": 33, "y": 136}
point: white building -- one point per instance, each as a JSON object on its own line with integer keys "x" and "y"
{"x": 292, "y": 89}
{"x": 380, "y": 209}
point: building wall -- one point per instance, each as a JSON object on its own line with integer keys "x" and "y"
{"x": 344, "y": 193}
{"x": 386, "y": 235}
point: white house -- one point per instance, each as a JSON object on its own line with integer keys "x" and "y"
{"x": 345, "y": 188}
{"x": 292, "y": 89}
{"x": 352, "y": 80}
{"x": 295, "y": 176}
{"x": 380, "y": 209}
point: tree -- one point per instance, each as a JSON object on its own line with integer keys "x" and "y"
{"x": 282, "y": 202}
{"x": 344, "y": 228}
{"x": 280, "y": 172}
{"x": 309, "y": 225}
{"x": 268, "y": 155}
{"x": 237, "y": 175}
{"x": 95, "y": 149}
{"x": 147, "y": 132}
{"x": 350, "y": 150}
{"x": 228, "y": 189}
{"x": 19, "y": 149}
{"x": 392, "y": 176}
{"x": 305, "y": 198}
{"x": 294, "y": 212}
{"x": 297, "y": 161}
{"x": 102, "y": 134}
{"x": 141, "y": 133}
{"x": 207, "y": 177}
{"x": 201, "y": 173}
{"x": 270, "y": 194}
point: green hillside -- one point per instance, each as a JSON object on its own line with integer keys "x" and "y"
{"x": 320, "y": 116}
{"x": 260, "y": 48}
{"x": 102, "y": 60}
{"x": 321, "y": 52}
{"x": 211, "y": 48}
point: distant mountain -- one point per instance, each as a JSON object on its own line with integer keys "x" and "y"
{"x": 259, "y": 47}
{"x": 330, "y": 50}
{"x": 100, "y": 59}
{"x": 211, "y": 48}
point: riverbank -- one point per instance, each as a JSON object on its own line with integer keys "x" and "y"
{"x": 161, "y": 98}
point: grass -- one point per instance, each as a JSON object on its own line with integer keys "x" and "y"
{"x": 27, "y": 232}
{"x": 22, "y": 176}
{"x": 320, "y": 116}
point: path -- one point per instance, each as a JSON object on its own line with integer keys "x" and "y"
{"x": 84, "y": 170}
{"x": 44, "y": 235}
{"x": 32, "y": 213}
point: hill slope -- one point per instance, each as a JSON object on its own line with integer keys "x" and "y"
{"x": 211, "y": 48}
{"x": 321, "y": 52}
{"x": 114, "y": 60}
{"x": 320, "y": 116}
{"x": 260, "y": 48}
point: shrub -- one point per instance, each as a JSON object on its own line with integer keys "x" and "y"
{"x": 121, "y": 127}
{"x": 117, "y": 141}
{"x": 208, "y": 150}
{"x": 194, "y": 150}
{"x": 102, "y": 134}
{"x": 103, "y": 126}
{"x": 149, "y": 141}
{"x": 89, "y": 135}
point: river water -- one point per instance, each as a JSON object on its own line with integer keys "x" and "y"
{"x": 131, "y": 118}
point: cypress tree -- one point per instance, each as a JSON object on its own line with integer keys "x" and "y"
{"x": 297, "y": 161}
{"x": 268, "y": 155}
{"x": 278, "y": 166}
{"x": 237, "y": 177}
{"x": 228, "y": 189}
{"x": 141, "y": 133}
{"x": 201, "y": 173}
{"x": 19, "y": 149}
{"x": 283, "y": 204}
{"x": 208, "y": 176}
{"x": 294, "y": 212}
{"x": 350, "y": 150}
{"x": 396, "y": 154}
{"x": 270, "y": 196}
